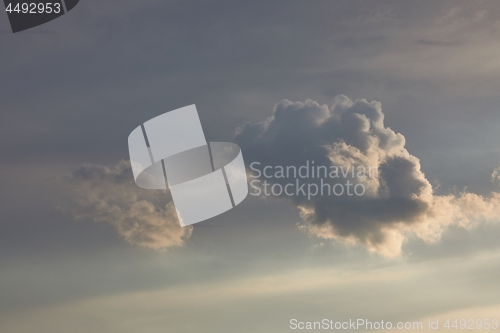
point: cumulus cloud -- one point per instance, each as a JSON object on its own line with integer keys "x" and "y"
{"x": 399, "y": 202}
{"x": 142, "y": 217}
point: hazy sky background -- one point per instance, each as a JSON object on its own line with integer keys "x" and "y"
{"x": 73, "y": 89}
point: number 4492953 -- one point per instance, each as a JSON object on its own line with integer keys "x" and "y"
{"x": 472, "y": 324}
{"x": 33, "y": 8}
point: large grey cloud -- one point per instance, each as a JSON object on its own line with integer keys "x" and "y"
{"x": 398, "y": 204}
{"x": 142, "y": 217}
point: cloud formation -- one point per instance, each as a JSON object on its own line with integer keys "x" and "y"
{"x": 142, "y": 217}
{"x": 397, "y": 205}
{"x": 495, "y": 176}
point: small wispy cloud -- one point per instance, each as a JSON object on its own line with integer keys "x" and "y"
{"x": 495, "y": 176}
{"x": 142, "y": 217}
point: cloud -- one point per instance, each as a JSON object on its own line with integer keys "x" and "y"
{"x": 495, "y": 176}
{"x": 399, "y": 202}
{"x": 142, "y": 217}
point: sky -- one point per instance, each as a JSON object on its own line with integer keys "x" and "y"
{"x": 407, "y": 86}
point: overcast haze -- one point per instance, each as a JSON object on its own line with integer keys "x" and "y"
{"x": 408, "y": 86}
